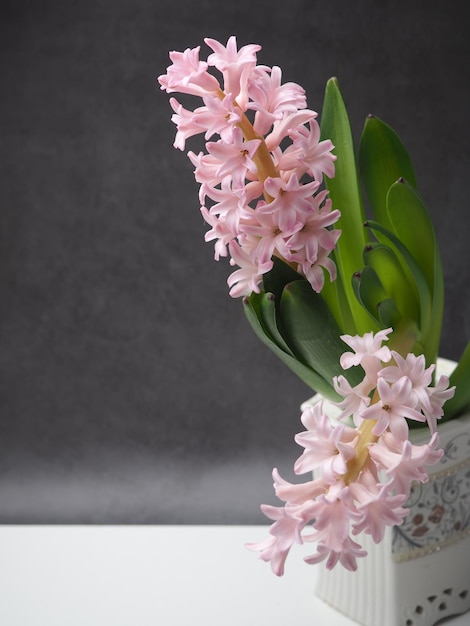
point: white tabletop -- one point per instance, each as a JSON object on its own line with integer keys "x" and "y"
{"x": 153, "y": 576}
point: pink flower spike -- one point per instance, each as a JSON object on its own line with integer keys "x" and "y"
{"x": 188, "y": 74}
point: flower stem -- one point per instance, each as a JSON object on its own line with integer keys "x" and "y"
{"x": 262, "y": 157}
{"x": 264, "y": 163}
{"x": 366, "y": 437}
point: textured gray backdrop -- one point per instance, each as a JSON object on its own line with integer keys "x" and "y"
{"x": 131, "y": 387}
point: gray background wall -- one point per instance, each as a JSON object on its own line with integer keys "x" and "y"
{"x": 131, "y": 387}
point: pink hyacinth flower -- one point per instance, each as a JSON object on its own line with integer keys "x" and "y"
{"x": 249, "y": 275}
{"x": 325, "y": 446}
{"x": 289, "y": 521}
{"x": 368, "y": 351}
{"x": 404, "y": 462}
{"x": 235, "y": 158}
{"x": 188, "y": 74}
{"x": 219, "y": 116}
{"x": 309, "y": 155}
{"x": 271, "y": 99}
{"x": 235, "y": 65}
{"x": 379, "y": 508}
{"x": 438, "y": 395}
{"x": 298, "y": 493}
{"x": 347, "y": 556}
{"x": 396, "y": 403}
{"x": 291, "y": 198}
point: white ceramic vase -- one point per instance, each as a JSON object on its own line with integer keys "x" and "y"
{"x": 420, "y": 573}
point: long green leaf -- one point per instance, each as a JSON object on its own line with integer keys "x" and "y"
{"x": 460, "y": 377}
{"x": 372, "y": 295}
{"x": 345, "y": 193}
{"x": 412, "y": 225}
{"x": 252, "y": 307}
{"x": 396, "y": 284}
{"x": 278, "y": 277}
{"x": 312, "y": 332}
{"x": 388, "y": 313}
{"x": 410, "y": 222}
{"x": 429, "y": 348}
{"x": 356, "y": 284}
{"x": 274, "y": 282}
{"x": 334, "y": 296}
{"x": 271, "y": 322}
{"x": 383, "y": 159}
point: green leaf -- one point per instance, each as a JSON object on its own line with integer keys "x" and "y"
{"x": 433, "y": 337}
{"x": 255, "y": 313}
{"x": 274, "y": 282}
{"x": 278, "y": 277}
{"x": 335, "y": 298}
{"x": 374, "y": 298}
{"x": 421, "y": 286}
{"x": 460, "y": 377}
{"x": 269, "y": 319}
{"x": 395, "y": 282}
{"x": 345, "y": 193}
{"x": 388, "y": 313}
{"x": 312, "y": 332}
{"x": 412, "y": 225}
{"x": 369, "y": 291}
{"x": 383, "y": 159}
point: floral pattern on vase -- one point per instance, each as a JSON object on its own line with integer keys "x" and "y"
{"x": 440, "y": 509}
